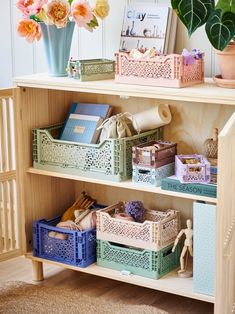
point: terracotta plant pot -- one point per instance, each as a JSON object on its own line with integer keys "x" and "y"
{"x": 227, "y": 62}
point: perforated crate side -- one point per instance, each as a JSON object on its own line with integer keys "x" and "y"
{"x": 35, "y": 145}
{"x": 139, "y": 262}
{"x": 79, "y": 249}
{"x": 152, "y": 176}
{"x": 158, "y": 230}
{"x": 106, "y": 160}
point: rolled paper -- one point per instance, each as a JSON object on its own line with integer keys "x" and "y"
{"x": 152, "y": 118}
{"x": 123, "y": 216}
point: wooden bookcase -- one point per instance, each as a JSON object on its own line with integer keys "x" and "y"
{"x": 41, "y": 101}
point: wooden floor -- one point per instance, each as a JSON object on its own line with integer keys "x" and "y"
{"x": 19, "y": 269}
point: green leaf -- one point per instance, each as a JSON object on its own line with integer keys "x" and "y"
{"x": 220, "y": 28}
{"x": 193, "y": 13}
{"x": 70, "y": 2}
{"x": 226, "y": 5}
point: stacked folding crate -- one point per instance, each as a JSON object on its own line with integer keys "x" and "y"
{"x": 153, "y": 161}
{"x": 139, "y": 248}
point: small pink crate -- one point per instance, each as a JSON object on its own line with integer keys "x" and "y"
{"x": 166, "y": 71}
{"x": 192, "y": 172}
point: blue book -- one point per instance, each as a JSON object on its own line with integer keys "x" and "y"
{"x": 81, "y": 128}
{"x": 100, "y": 110}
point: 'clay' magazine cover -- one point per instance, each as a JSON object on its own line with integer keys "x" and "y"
{"x": 145, "y": 27}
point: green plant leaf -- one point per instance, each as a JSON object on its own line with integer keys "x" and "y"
{"x": 226, "y": 5}
{"x": 220, "y": 28}
{"x": 70, "y": 1}
{"x": 193, "y": 13}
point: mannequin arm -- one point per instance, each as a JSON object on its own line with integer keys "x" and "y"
{"x": 177, "y": 239}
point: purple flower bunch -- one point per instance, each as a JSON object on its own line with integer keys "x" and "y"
{"x": 190, "y": 57}
{"x": 135, "y": 209}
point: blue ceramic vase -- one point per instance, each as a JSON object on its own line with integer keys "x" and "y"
{"x": 57, "y": 44}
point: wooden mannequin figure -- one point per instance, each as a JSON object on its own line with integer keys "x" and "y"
{"x": 187, "y": 248}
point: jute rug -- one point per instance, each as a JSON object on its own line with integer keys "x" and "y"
{"x": 19, "y": 297}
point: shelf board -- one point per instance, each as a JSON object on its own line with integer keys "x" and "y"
{"x": 170, "y": 283}
{"x": 203, "y": 93}
{"x": 124, "y": 184}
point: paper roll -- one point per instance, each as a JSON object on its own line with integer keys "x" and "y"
{"x": 152, "y": 118}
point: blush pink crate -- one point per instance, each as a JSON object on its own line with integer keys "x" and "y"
{"x": 157, "y": 230}
{"x": 166, "y": 71}
{"x": 192, "y": 173}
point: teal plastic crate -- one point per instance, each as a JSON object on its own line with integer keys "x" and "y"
{"x": 137, "y": 261}
{"x": 109, "y": 160}
{"x": 152, "y": 176}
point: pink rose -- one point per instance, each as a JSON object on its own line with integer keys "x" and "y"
{"x": 81, "y": 12}
{"x": 30, "y": 7}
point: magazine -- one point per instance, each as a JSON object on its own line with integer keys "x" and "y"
{"x": 146, "y": 27}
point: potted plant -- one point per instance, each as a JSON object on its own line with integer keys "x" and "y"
{"x": 219, "y": 20}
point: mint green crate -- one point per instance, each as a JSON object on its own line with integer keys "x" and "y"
{"x": 110, "y": 160}
{"x": 137, "y": 261}
{"x": 91, "y": 70}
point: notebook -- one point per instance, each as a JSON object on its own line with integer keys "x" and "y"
{"x": 100, "y": 110}
{"x": 81, "y": 128}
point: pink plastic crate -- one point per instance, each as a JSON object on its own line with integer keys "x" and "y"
{"x": 192, "y": 172}
{"x": 166, "y": 71}
{"x": 145, "y": 155}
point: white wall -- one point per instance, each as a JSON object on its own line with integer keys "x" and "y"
{"x": 17, "y": 57}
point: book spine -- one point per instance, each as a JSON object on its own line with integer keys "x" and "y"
{"x": 197, "y": 189}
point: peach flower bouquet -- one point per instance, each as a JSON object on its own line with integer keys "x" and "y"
{"x": 58, "y": 13}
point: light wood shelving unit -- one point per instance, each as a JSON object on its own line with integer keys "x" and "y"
{"x": 41, "y": 100}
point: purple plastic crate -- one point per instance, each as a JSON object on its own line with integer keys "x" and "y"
{"x": 192, "y": 172}
{"x": 79, "y": 249}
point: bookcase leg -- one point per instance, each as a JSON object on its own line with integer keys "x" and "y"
{"x": 37, "y": 271}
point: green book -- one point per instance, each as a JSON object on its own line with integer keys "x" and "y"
{"x": 173, "y": 184}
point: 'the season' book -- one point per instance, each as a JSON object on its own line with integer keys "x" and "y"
{"x": 173, "y": 184}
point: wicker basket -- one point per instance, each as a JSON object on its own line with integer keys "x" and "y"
{"x": 110, "y": 160}
{"x": 157, "y": 231}
{"x": 166, "y": 71}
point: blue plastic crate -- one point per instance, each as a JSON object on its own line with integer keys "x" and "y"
{"x": 152, "y": 176}
{"x": 79, "y": 249}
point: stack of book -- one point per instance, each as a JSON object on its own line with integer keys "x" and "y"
{"x": 83, "y": 121}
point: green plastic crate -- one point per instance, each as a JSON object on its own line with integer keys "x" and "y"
{"x": 137, "y": 261}
{"x": 111, "y": 159}
{"x": 91, "y": 70}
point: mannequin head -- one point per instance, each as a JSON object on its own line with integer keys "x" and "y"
{"x": 189, "y": 223}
